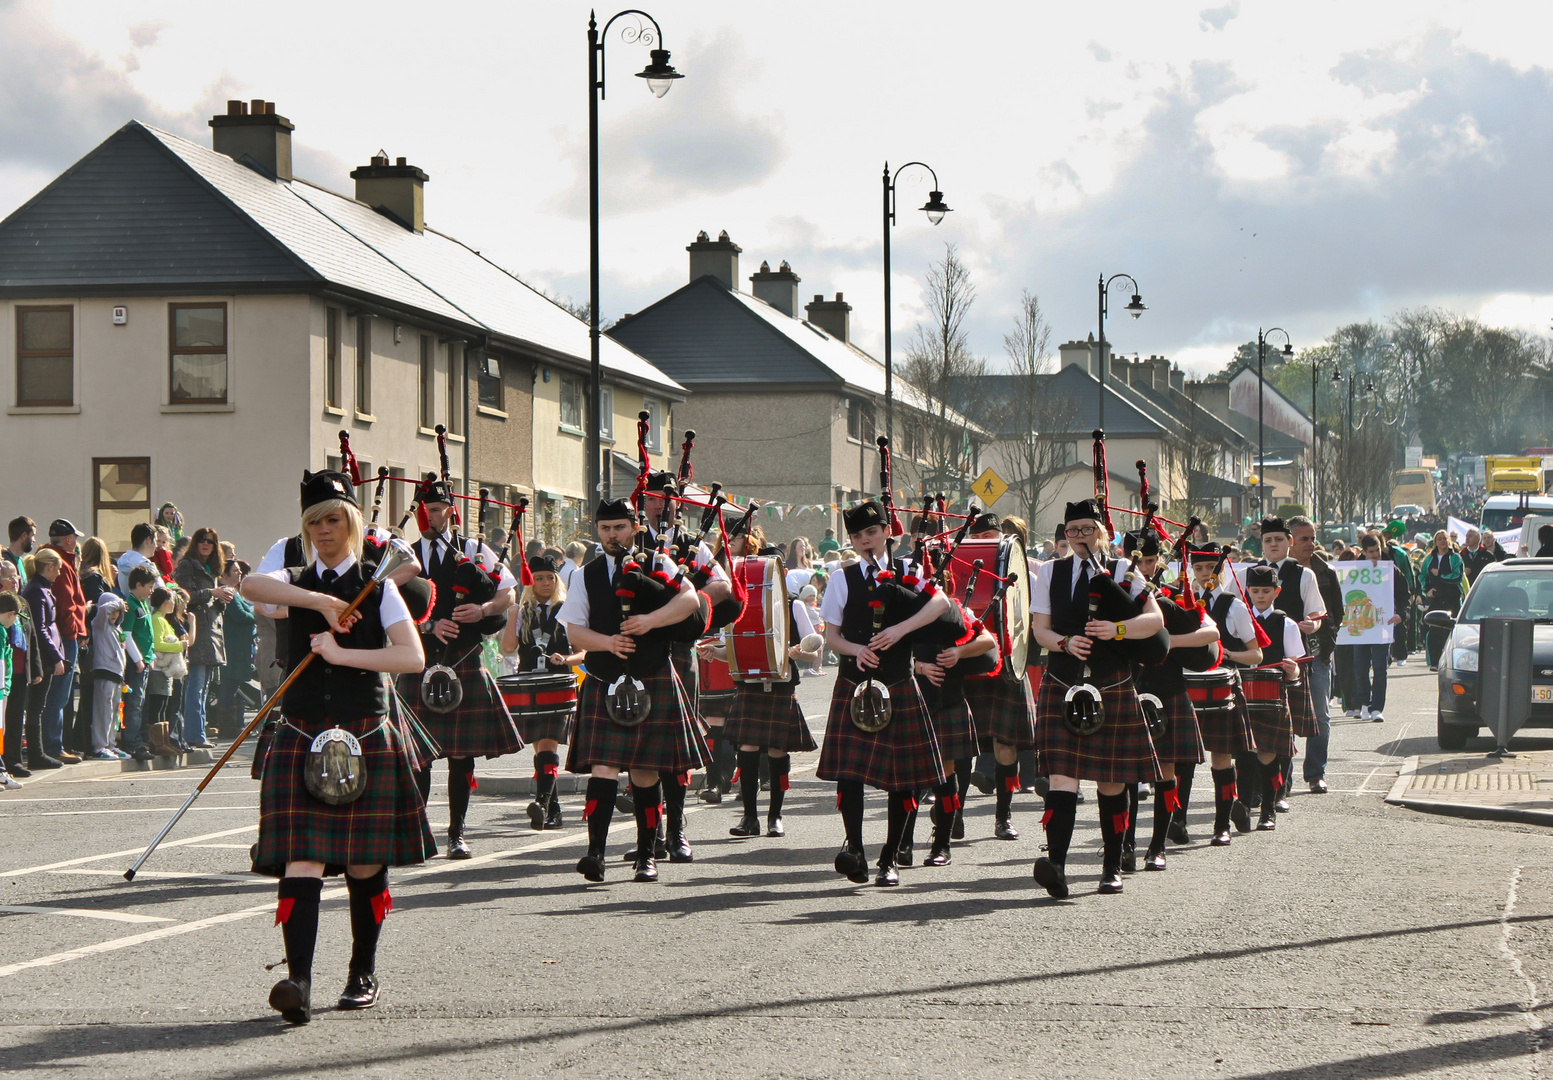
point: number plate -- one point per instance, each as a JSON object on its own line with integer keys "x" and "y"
{"x": 1542, "y": 694}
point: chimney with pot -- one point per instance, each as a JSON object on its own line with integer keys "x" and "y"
{"x": 256, "y": 130}
{"x": 832, "y": 316}
{"x": 715, "y": 258}
{"x": 397, "y": 190}
{"x": 779, "y": 288}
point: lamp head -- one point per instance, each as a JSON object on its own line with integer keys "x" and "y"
{"x": 659, "y": 74}
{"x": 935, "y": 208}
{"x": 1137, "y": 307}
{"x": 1288, "y": 349}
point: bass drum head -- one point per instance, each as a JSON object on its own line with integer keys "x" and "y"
{"x": 1016, "y": 606}
{"x": 757, "y": 641}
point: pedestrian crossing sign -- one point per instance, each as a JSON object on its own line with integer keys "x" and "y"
{"x": 988, "y": 488}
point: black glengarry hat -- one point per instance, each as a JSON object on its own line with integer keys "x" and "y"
{"x": 1274, "y": 525}
{"x": 432, "y": 490}
{"x": 1082, "y": 510}
{"x": 542, "y": 564}
{"x": 1261, "y": 576}
{"x": 661, "y": 483}
{"x": 1208, "y": 553}
{"x": 1142, "y": 542}
{"x": 986, "y": 521}
{"x": 614, "y": 510}
{"x": 861, "y": 517}
{"x": 318, "y": 487}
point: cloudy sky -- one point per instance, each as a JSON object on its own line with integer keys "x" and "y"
{"x": 1249, "y": 163}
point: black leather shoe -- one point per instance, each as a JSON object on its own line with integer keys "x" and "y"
{"x": 1154, "y": 858}
{"x": 774, "y": 827}
{"x": 553, "y": 818}
{"x": 1129, "y": 859}
{"x": 981, "y": 782}
{"x": 748, "y": 826}
{"x": 536, "y": 816}
{"x": 710, "y": 794}
{"x": 1240, "y": 816}
{"x": 1110, "y": 882}
{"x": 853, "y": 864}
{"x": 1176, "y": 832}
{"x": 1004, "y": 830}
{"x": 1282, "y": 806}
{"x": 1318, "y": 787}
{"x": 957, "y": 830}
{"x": 18, "y": 770}
{"x": 1052, "y": 877}
{"x": 906, "y": 856}
{"x": 458, "y": 848}
{"x": 293, "y": 999}
{"x": 1268, "y": 821}
{"x": 1220, "y": 839}
{"x": 677, "y": 847}
{"x": 887, "y": 875}
{"x": 646, "y": 870}
{"x": 939, "y": 855}
{"x": 591, "y": 866}
{"x": 360, "y": 992}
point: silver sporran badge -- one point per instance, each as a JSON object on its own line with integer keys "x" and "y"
{"x": 627, "y": 701}
{"x": 335, "y": 772}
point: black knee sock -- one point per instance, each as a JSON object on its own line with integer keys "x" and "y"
{"x": 1248, "y": 774}
{"x": 547, "y": 766}
{"x": 1113, "y": 827}
{"x": 1272, "y": 774}
{"x": 1007, "y": 779}
{"x": 1223, "y": 795}
{"x": 781, "y": 767}
{"x": 849, "y": 800}
{"x": 1165, "y": 804}
{"x": 909, "y": 831}
{"x": 370, "y": 904}
{"x": 962, "y": 777}
{"x": 1285, "y": 771}
{"x": 946, "y": 800}
{"x": 902, "y": 803}
{"x": 727, "y": 761}
{"x": 674, "y": 786}
{"x": 297, "y": 914}
{"x": 647, "y": 805}
{"x": 1027, "y": 768}
{"x": 1184, "y": 773}
{"x": 461, "y": 778}
{"x": 714, "y": 770}
{"x": 749, "y": 780}
{"x": 423, "y": 784}
{"x": 1130, "y": 839}
{"x": 599, "y": 810}
{"x": 1058, "y": 819}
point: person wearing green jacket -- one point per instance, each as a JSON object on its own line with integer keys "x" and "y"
{"x": 1406, "y": 637}
{"x": 242, "y": 633}
{"x": 138, "y": 586}
{"x": 1442, "y": 578}
{"x": 10, "y": 612}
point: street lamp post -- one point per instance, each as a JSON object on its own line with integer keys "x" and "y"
{"x": 1135, "y": 308}
{"x": 659, "y": 77}
{"x": 1261, "y": 448}
{"x": 1315, "y": 449}
{"x": 935, "y": 210}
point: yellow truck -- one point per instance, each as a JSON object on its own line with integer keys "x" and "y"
{"x": 1513, "y": 475}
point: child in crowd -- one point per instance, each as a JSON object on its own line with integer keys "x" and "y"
{"x": 138, "y": 585}
{"x": 168, "y": 646}
{"x": 112, "y": 651}
{"x": 810, "y": 597}
{"x": 10, "y": 612}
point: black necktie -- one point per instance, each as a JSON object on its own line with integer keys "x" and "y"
{"x": 330, "y": 577}
{"x": 1081, "y": 587}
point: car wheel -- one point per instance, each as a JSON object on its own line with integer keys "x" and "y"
{"x": 1451, "y": 736}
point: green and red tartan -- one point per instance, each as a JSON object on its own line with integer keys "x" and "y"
{"x": 669, "y": 740}
{"x": 952, "y": 723}
{"x": 1227, "y": 732}
{"x": 481, "y": 726}
{"x": 771, "y": 721}
{"x": 386, "y": 825}
{"x": 1121, "y": 752}
{"x": 1302, "y": 708}
{"x": 1271, "y": 733}
{"x": 1004, "y": 711}
{"x": 1182, "y": 741}
{"x": 902, "y": 757}
{"x": 420, "y": 748}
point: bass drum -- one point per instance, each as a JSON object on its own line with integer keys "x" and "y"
{"x": 717, "y": 688}
{"x": 757, "y": 641}
{"x": 537, "y": 694}
{"x": 1000, "y": 597}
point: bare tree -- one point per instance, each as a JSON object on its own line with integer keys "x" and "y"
{"x": 1033, "y": 424}
{"x": 939, "y": 362}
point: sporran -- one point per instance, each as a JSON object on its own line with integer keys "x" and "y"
{"x": 335, "y": 772}
{"x": 870, "y": 708}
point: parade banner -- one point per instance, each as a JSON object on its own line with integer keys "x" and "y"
{"x": 1368, "y": 603}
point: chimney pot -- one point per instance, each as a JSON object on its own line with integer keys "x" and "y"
{"x": 234, "y": 107}
{"x": 779, "y": 288}
{"x": 765, "y": 267}
{"x": 785, "y": 268}
{"x": 838, "y": 298}
{"x": 258, "y": 106}
{"x": 254, "y": 131}
{"x": 400, "y": 161}
{"x": 715, "y": 258}
{"x": 398, "y": 190}
{"x": 832, "y": 316}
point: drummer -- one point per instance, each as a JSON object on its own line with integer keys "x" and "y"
{"x": 1274, "y": 733}
{"x": 1226, "y": 735}
{"x": 534, "y": 640}
{"x": 722, "y": 754}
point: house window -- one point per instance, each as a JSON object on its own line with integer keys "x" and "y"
{"x": 854, "y": 419}
{"x": 198, "y": 361}
{"x": 571, "y": 403}
{"x": 428, "y": 383}
{"x": 121, "y": 499}
{"x": 364, "y": 364}
{"x": 490, "y": 387}
{"x": 45, "y": 356}
{"x": 654, "y": 410}
{"x": 607, "y": 413}
{"x": 397, "y": 492}
{"x": 332, "y": 357}
{"x": 455, "y": 387}
{"x": 868, "y": 422}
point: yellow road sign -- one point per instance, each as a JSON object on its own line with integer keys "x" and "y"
{"x": 988, "y": 488}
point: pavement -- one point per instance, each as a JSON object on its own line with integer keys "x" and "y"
{"x": 1361, "y": 939}
{"x": 1482, "y": 785}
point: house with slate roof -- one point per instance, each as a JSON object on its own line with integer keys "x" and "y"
{"x": 196, "y": 325}
{"x": 785, "y": 407}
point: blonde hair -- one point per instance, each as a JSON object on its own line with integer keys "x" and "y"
{"x": 41, "y": 560}
{"x": 1017, "y": 526}
{"x": 94, "y": 556}
{"x": 528, "y": 604}
{"x": 355, "y": 530}
{"x": 576, "y": 550}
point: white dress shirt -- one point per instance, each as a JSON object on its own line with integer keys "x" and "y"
{"x": 391, "y": 608}
{"x": 576, "y": 609}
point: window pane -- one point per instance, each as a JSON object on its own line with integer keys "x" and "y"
{"x": 114, "y": 526}
{"x": 199, "y": 377}
{"x": 124, "y": 482}
{"x": 46, "y": 330}
{"x": 571, "y": 403}
{"x": 199, "y": 328}
{"x": 364, "y": 364}
{"x": 606, "y": 413}
{"x": 44, "y": 379}
{"x": 490, "y": 391}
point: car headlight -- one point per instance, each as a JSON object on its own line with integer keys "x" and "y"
{"x": 1464, "y": 659}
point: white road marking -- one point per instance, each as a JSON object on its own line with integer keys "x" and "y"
{"x": 121, "y": 798}
{"x": 241, "y": 879}
{"x": 167, "y": 810}
{"x": 81, "y": 913}
{"x": 121, "y": 854}
{"x": 1533, "y": 1001}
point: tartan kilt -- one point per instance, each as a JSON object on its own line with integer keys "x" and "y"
{"x": 481, "y": 726}
{"x": 902, "y": 757}
{"x": 1182, "y": 742}
{"x": 1121, "y": 752}
{"x": 420, "y": 748}
{"x": 386, "y": 825}
{"x": 1270, "y": 734}
{"x": 952, "y": 722}
{"x": 1302, "y": 707}
{"x": 534, "y": 728}
{"x": 1227, "y": 733}
{"x": 1004, "y": 712}
{"x": 772, "y": 721}
{"x": 669, "y": 740}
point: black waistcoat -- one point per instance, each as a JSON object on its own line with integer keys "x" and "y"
{"x": 328, "y": 692}
{"x": 1273, "y": 622}
{"x": 545, "y": 622}
{"x": 294, "y": 557}
{"x": 857, "y": 626}
{"x": 1290, "y": 600}
{"x": 1219, "y": 611}
{"x": 1069, "y": 615}
{"x": 442, "y": 578}
{"x": 604, "y": 617}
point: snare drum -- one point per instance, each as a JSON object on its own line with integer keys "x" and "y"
{"x": 1212, "y": 693}
{"x": 1263, "y": 689}
{"x": 1007, "y": 616}
{"x": 757, "y": 641}
{"x": 717, "y": 688}
{"x": 535, "y": 694}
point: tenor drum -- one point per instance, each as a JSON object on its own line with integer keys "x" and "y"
{"x": 757, "y": 641}
{"x": 537, "y": 694}
{"x": 1212, "y": 693}
{"x": 1000, "y": 596}
{"x": 1263, "y": 689}
{"x": 717, "y": 688}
